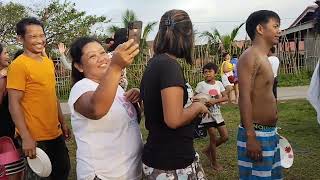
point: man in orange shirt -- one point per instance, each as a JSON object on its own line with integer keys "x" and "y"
{"x": 33, "y": 103}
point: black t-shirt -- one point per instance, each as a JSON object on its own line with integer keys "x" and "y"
{"x": 166, "y": 148}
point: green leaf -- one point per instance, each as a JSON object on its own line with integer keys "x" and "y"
{"x": 10, "y": 13}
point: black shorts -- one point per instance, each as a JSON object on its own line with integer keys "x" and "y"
{"x": 213, "y": 124}
{"x": 58, "y": 154}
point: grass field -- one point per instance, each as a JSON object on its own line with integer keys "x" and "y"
{"x": 300, "y": 79}
{"x": 297, "y": 120}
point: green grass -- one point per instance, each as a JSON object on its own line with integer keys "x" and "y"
{"x": 297, "y": 120}
{"x": 289, "y": 80}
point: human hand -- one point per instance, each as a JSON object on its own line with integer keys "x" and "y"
{"x": 133, "y": 95}
{"x": 254, "y": 149}
{"x": 66, "y": 131}
{"x": 124, "y": 54}
{"x": 62, "y": 48}
{"x": 196, "y": 99}
{"x": 211, "y": 102}
{"x": 43, "y": 53}
{"x": 29, "y": 147}
{"x": 202, "y": 109}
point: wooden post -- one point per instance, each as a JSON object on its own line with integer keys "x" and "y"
{"x": 306, "y": 48}
{"x": 297, "y": 49}
{"x": 294, "y": 58}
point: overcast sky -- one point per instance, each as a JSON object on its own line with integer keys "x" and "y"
{"x": 205, "y": 14}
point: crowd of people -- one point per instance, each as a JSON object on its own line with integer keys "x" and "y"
{"x": 105, "y": 116}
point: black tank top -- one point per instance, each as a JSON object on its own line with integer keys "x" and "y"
{"x": 7, "y": 127}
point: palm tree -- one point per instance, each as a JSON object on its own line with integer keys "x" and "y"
{"x": 212, "y": 38}
{"x": 112, "y": 29}
{"x": 213, "y": 42}
{"x": 146, "y": 31}
{"x": 129, "y": 16}
{"x": 228, "y": 39}
{"x": 225, "y": 41}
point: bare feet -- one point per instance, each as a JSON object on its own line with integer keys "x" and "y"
{"x": 217, "y": 167}
{"x": 207, "y": 153}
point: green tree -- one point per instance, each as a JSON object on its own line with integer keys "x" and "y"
{"x": 63, "y": 23}
{"x": 112, "y": 29}
{"x": 129, "y": 16}
{"x": 10, "y": 14}
{"x": 146, "y": 31}
{"x": 226, "y": 41}
{"x": 213, "y": 42}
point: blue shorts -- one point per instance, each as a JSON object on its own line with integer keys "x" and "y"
{"x": 267, "y": 169}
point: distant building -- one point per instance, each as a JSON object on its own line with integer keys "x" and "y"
{"x": 302, "y": 37}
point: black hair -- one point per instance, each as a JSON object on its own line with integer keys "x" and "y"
{"x": 225, "y": 54}
{"x": 108, "y": 40}
{"x": 273, "y": 50}
{"x": 259, "y": 17}
{"x": 1, "y": 48}
{"x": 120, "y": 36}
{"x": 210, "y": 66}
{"x": 76, "y": 54}
{"x": 18, "y": 53}
{"x": 175, "y": 35}
{"x": 234, "y": 56}
{"x": 23, "y": 23}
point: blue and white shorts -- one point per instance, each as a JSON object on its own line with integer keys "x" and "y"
{"x": 267, "y": 169}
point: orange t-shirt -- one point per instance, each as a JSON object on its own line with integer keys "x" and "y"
{"x": 37, "y": 80}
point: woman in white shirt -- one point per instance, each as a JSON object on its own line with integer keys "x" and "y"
{"x": 62, "y": 49}
{"x": 103, "y": 118}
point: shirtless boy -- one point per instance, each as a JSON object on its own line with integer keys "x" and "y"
{"x": 257, "y": 142}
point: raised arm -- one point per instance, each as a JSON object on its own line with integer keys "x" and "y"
{"x": 65, "y": 62}
{"x": 96, "y": 104}
{"x": 62, "y": 50}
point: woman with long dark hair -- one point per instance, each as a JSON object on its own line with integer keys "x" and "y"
{"x": 103, "y": 118}
{"x": 169, "y": 151}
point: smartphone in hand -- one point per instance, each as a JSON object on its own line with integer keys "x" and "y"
{"x": 134, "y": 31}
